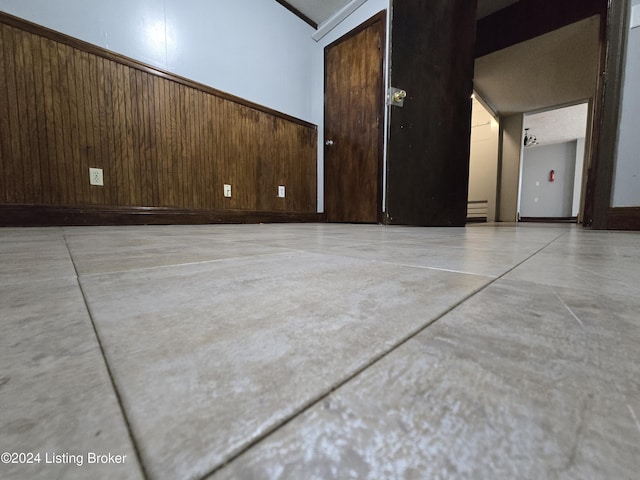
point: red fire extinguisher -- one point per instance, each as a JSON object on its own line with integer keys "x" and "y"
{"x": 552, "y": 175}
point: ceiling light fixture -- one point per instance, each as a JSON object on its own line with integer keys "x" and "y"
{"x": 529, "y": 139}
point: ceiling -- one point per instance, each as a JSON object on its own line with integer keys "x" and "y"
{"x": 559, "y": 125}
{"x": 318, "y": 10}
{"x": 554, "y": 69}
{"x": 321, "y": 10}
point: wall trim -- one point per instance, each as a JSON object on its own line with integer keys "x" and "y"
{"x": 298, "y": 13}
{"x": 549, "y": 219}
{"x": 624, "y": 218}
{"x": 116, "y": 57}
{"x": 51, "y": 215}
{"x": 332, "y": 22}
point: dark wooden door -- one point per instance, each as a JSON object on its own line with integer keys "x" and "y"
{"x": 429, "y": 138}
{"x": 354, "y": 103}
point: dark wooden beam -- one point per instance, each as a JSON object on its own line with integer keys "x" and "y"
{"x": 297, "y": 13}
{"x": 528, "y": 19}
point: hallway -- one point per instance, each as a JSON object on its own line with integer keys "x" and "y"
{"x": 320, "y": 351}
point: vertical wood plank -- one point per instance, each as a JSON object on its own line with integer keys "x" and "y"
{"x": 6, "y": 163}
{"x": 194, "y": 160}
{"x": 118, "y": 140}
{"x": 58, "y": 167}
{"x": 25, "y": 189}
{"x": 96, "y": 123}
{"x": 161, "y": 180}
{"x": 152, "y": 177}
{"x": 129, "y": 142}
{"x": 137, "y": 177}
{"x": 105, "y": 82}
{"x": 85, "y": 153}
{"x": 168, "y": 144}
{"x": 29, "y": 76}
{"x": 68, "y": 106}
{"x": 180, "y": 157}
{"x": 41, "y": 71}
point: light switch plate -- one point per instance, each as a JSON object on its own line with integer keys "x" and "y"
{"x": 227, "y": 190}
{"x": 281, "y": 191}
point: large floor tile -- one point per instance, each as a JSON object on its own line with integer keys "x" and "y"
{"x": 521, "y": 381}
{"x": 33, "y": 254}
{"x": 114, "y": 249}
{"x": 599, "y": 273}
{"x": 55, "y": 394}
{"x": 210, "y": 357}
{"x": 491, "y": 262}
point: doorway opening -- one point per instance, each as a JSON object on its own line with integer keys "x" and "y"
{"x": 552, "y": 164}
{"x": 483, "y": 162}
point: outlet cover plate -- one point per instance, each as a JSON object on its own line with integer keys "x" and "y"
{"x": 281, "y": 191}
{"x": 227, "y": 190}
{"x": 96, "y": 177}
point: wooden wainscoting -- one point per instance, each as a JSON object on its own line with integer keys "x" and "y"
{"x": 624, "y": 218}
{"x": 162, "y": 141}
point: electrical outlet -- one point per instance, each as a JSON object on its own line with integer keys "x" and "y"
{"x": 95, "y": 177}
{"x": 281, "y": 193}
{"x": 227, "y": 190}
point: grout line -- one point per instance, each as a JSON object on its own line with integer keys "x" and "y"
{"x": 109, "y": 372}
{"x": 176, "y": 265}
{"x": 438, "y": 269}
{"x": 633, "y": 414}
{"x": 568, "y": 308}
{"x": 339, "y": 384}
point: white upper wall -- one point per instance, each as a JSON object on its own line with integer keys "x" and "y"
{"x": 254, "y": 49}
{"x": 626, "y": 186}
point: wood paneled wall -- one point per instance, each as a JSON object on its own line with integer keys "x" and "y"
{"x": 162, "y": 141}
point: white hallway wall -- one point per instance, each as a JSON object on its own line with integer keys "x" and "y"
{"x": 539, "y": 196}
{"x": 626, "y": 187}
{"x": 254, "y": 49}
{"x": 483, "y": 159}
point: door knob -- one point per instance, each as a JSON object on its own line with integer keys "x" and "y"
{"x": 396, "y": 97}
{"x": 399, "y": 96}
{"x": 328, "y": 143}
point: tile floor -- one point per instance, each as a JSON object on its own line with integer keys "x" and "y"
{"x": 320, "y": 351}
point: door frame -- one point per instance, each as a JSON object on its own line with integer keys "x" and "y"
{"x": 382, "y": 18}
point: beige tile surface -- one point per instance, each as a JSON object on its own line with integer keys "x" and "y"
{"x": 514, "y": 383}
{"x": 115, "y": 249}
{"x": 56, "y": 397}
{"x": 28, "y": 254}
{"x": 218, "y": 354}
{"x": 308, "y": 351}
